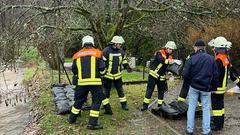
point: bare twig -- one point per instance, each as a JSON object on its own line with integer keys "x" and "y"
{"x": 5, "y": 81}
{"x": 150, "y": 10}
{"x": 60, "y": 28}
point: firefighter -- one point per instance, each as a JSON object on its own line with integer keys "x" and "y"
{"x": 157, "y": 74}
{"x": 114, "y": 57}
{"x": 234, "y": 74}
{"x": 185, "y": 86}
{"x": 87, "y": 68}
{"x": 220, "y": 45}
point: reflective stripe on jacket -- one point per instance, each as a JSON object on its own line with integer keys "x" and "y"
{"x": 87, "y": 65}
{"x": 159, "y": 65}
{"x": 114, "y": 60}
{"x": 223, "y": 67}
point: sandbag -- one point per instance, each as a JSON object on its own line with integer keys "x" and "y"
{"x": 69, "y": 93}
{"x": 166, "y": 111}
{"x": 174, "y": 110}
{"x": 59, "y": 85}
{"x": 64, "y": 98}
{"x": 62, "y": 102}
{"x": 60, "y": 96}
{"x": 179, "y": 106}
{"x": 63, "y": 106}
{"x": 175, "y": 68}
{"x": 58, "y": 90}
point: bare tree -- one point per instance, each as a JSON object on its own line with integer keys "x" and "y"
{"x": 50, "y": 24}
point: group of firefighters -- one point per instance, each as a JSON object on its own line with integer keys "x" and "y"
{"x": 93, "y": 69}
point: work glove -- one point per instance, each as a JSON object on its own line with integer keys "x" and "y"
{"x": 129, "y": 70}
{"x": 170, "y": 61}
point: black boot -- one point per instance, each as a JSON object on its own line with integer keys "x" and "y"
{"x": 124, "y": 106}
{"x": 160, "y": 105}
{"x": 72, "y": 118}
{"x": 215, "y": 128}
{"x": 93, "y": 124}
{"x": 108, "y": 109}
{"x": 238, "y": 84}
{"x": 94, "y": 127}
{"x": 144, "y": 107}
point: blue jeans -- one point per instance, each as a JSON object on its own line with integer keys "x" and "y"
{"x": 193, "y": 102}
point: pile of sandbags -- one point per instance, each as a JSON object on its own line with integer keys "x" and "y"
{"x": 174, "y": 110}
{"x": 63, "y": 97}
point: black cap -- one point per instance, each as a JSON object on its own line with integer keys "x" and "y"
{"x": 199, "y": 42}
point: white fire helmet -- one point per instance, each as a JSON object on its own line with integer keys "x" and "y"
{"x": 87, "y": 40}
{"x": 171, "y": 45}
{"x": 118, "y": 40}
{"x": 220, "y": 42}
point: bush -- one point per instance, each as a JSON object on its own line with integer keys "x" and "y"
{"x": 29, "y": 55}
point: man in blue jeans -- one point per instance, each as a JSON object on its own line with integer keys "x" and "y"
{"x": 201, "y": 73}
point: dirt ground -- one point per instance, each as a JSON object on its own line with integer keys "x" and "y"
{"x": 232, "y": 115}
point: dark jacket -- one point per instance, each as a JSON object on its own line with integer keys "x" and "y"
{"x": 223, "y": 65}
{"x": 87, "y": 67}
{"x": 114, "y": 59}
{"x": 201, "y": 71}
{"x": 160, "y": 63}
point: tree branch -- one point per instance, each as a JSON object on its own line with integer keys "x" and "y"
{"x": 195, "y": 13}
{"x": 59, "y": 28}
{"x": 49, "y": 9}
{"x": 149, "y": 10}
{"x": 139, "y": 3}
{"x": 134, "y": 22}
{"x": 160, "y": 3}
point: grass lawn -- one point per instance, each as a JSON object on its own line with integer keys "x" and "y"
{"x": 68, "y": 60}
{"x": 121, "y": 122}
{"x": 134, "y": 76}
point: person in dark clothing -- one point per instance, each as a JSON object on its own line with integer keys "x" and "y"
{"x": 114, "y": 57}
{"x": 157, "y": 74}
{"x": 220, "y": 45}
{"x": 234, "y": 75}
{"x": 185, "y": 86}
{"x": 87, "y": 69}
{"x": 201, "y": 73}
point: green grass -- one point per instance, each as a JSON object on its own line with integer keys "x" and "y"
{"x": 134, "y": 76}
{"x": 31, "y": 54}
{"x": 29, "y": 73}
{"x": 121, "y": 122}
{"x": 68, "y": 60}
{"x": 57, "y": 124}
